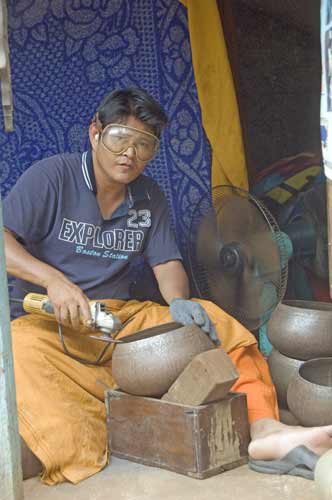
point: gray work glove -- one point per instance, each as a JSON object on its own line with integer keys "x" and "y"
{"x": 188, "y": 312}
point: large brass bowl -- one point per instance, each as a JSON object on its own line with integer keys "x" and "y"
{"x": 302, "y": 329}
{"x": 282, "y": 370}
{"x": 286, "y": 417}
{"x": 148, "y": 367}
{"x": 309, "y": 394}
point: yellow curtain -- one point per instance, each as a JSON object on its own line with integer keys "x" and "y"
{"x": 216, "y": 93}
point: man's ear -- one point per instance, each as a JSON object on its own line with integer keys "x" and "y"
{"x": 94, "y": 135}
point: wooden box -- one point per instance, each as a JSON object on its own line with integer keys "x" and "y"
{"x": 198, "y": 441}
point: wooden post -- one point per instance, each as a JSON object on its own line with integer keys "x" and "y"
{"x": 11, "y": 483}
{"x": 5, "y": 74}
{"x": 329, "y": 229}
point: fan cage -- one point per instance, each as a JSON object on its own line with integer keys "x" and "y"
{"x": 198, "y": 271}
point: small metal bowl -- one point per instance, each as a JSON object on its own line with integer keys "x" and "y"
{"x": 148, "y": 367}
{"x": 286, "y": 417}
{"x": 309, "y": 394}
{"x": 282, "y": 369}
{"x": 301, "y": 329}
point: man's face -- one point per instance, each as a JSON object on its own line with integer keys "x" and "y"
{"x": 120, "y": 154}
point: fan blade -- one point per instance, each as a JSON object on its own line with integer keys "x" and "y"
{"x": 217, "y": 282}
{"x": 237, "y": 293}
{"x": 264, "y": 249}
{"x": 238, "y": 219}
{"x": 208, "y": 242}
{"x": 242, "y": 254}
{"x": 257, "y": 298}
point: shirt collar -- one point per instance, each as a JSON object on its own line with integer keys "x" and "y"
{"x": 136, "y": 190}
{"x": 87, "y": 170}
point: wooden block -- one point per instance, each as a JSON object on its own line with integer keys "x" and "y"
{"x": 208, "y": 377}
{"x": 198, "y": 441}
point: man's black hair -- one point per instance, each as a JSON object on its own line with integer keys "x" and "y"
{"x": 122, "y": 103}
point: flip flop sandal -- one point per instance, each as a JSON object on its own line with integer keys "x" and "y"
{"x": 300, "y": 461}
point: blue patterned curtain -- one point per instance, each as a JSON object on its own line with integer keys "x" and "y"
{"x": 67, "y": 54}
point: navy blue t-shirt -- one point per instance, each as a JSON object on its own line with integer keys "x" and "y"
{"x": 53, "y": 210}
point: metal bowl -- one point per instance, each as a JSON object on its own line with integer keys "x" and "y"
{"x": 309, "y": 394}
{"x": 286, "y": 417}
{"x": 282, "y": 370}
{"x": 301, "y": 329}
{"x": 148, "y": 367}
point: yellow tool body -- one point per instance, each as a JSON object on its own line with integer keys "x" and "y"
{"x": 103, "y": 319}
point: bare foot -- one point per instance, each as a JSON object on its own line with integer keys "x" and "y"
{"x": 272, "y": 439}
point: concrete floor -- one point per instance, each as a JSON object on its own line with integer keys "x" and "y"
{"x": 123, "y": 480}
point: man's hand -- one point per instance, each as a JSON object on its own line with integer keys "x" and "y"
{"x": 69, "y": 303}
{"x": 68, "y": 300}
{"x": 188, "y": 312}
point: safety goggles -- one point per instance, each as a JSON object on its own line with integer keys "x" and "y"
{"x": 117, "y": 138}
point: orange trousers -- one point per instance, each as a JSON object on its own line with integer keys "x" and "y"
{"x": 61, "y": 405}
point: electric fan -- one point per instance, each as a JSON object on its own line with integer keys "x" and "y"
{"x": 238, "y": 256}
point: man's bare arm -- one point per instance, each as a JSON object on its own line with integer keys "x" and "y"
{"x": 68, "y": 299}
{"x": 172, "y": 280}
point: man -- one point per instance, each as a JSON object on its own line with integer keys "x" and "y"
{"x": 73, "y": 224}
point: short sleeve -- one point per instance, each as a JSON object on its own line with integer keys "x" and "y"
{"x": 29, "y": 208}
{"x": 161, "y": 245}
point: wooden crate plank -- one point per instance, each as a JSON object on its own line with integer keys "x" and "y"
{"x": 224, "y": 433}
{"x": 142, "y": 428}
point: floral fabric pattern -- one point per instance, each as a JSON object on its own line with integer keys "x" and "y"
{"x": 67, "y": 54}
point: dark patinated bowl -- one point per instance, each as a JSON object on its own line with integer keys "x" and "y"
{"x": 282, "y": 369}
{"x": 309, "y": 394}
{"x": 148, "y": 367}
{"x": 287, "y": 417}
{"x": 302, "y": 329}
